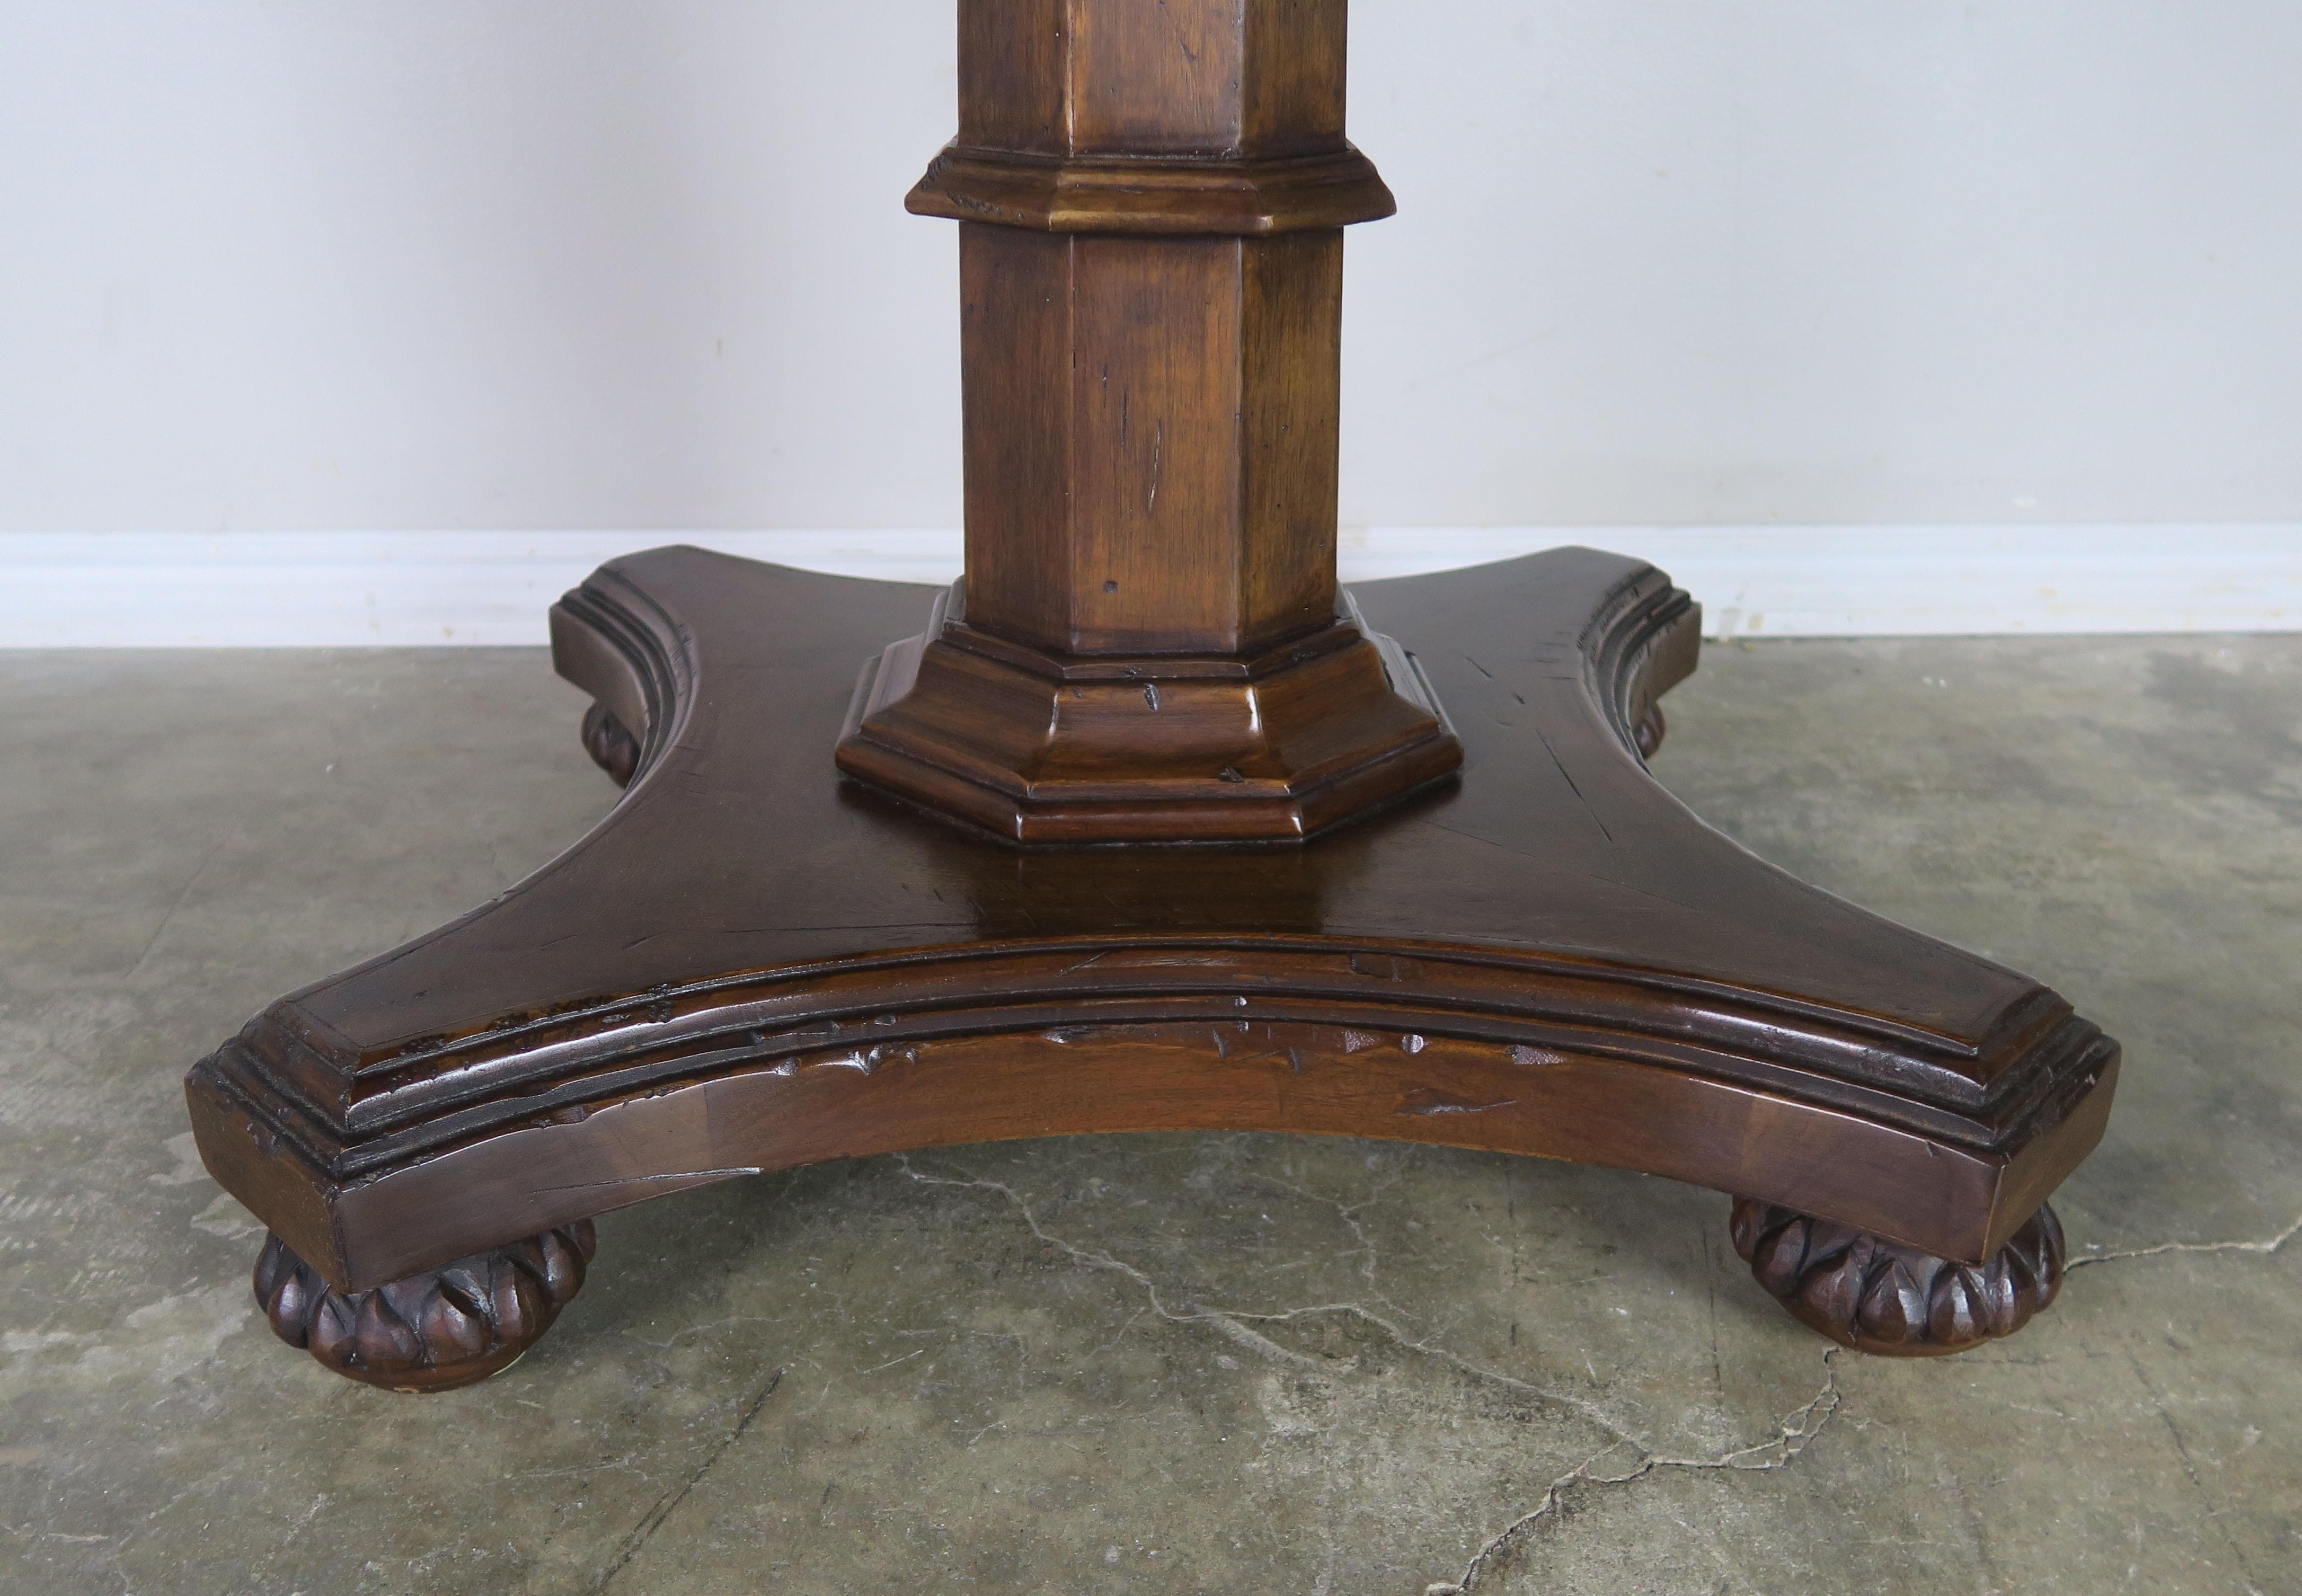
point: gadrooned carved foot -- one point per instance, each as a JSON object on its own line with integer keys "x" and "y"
{"x": 612, "y": 746}
{"x": 432, "y": 1332}
{"x": 1648, "y": 734}
{"x": 1878, "y": 1295}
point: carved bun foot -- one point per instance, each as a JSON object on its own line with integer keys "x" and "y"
{"x": 611, "y": 746}
{"x": 1649, "y": 731}
{"x": 432, "y": 1332}
{"x": 1879, "y": 1295}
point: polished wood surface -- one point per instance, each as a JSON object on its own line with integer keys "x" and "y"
{"x": 432, "y": 1331}
{"x": 1150, "y": 433}
{"x": 1888, "y": 1298}
{"x": 1210, "y": 78}
{"x": 1091, "y": 195}
{"x": 748, "y": 967}
{"x": 1147, "y": 646}
{"x": 1187, "y": 117}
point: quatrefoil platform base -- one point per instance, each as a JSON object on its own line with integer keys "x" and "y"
{"x": 753, "y": 964}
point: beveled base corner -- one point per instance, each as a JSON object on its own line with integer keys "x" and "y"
{"x": 1037, "y": 748}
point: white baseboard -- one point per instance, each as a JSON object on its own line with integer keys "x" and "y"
{"x": 336, "y": 589}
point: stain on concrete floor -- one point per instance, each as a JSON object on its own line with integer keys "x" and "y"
{"x": 1173, "y": 1364}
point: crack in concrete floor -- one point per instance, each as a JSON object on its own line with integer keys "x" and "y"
{"x": 2269, "y": 1244}
{"x": 668, "y": 1504}
{"x": 1237, "y": 1324}
{"x": 1796, "y": 1430}
{"x": 1799, "y": 1426}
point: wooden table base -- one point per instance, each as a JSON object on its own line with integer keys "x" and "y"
{"x": 751, "y": 964}
{"x": 1200, "y": 844}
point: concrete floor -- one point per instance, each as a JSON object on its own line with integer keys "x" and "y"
{"x": 1179, "y": 1364}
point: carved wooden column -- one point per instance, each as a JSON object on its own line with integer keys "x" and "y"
{"x": 1150, "y": 643}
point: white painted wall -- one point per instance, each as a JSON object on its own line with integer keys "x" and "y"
{"x": 606, "y": 264}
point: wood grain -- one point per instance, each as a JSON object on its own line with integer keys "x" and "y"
{"x": 747, "y": 967}
{"x": 1126, "y": 197}
{"x": 1151, "y": 200}
{"x": 753, "y": 964}
{"x": 1230, "y": 77}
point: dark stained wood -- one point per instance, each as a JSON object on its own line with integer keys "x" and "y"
{"x": 1293, "y": 914}
{"x": 435, "y": 1330}
{"x": 748, "y": 967}
{"x": 1186, "y": 116}
{"x": 1210, "y": 78}
{"x": 1888, "y": 1297}
{"x": 1042, "y": 748}
{"x": 1019, "y": 364}
{"x": 614, "y": 749}
{"x": 1146, "y": 645}
{"x": 1150, "y": 429}
{"x": 1084, "y": 194}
